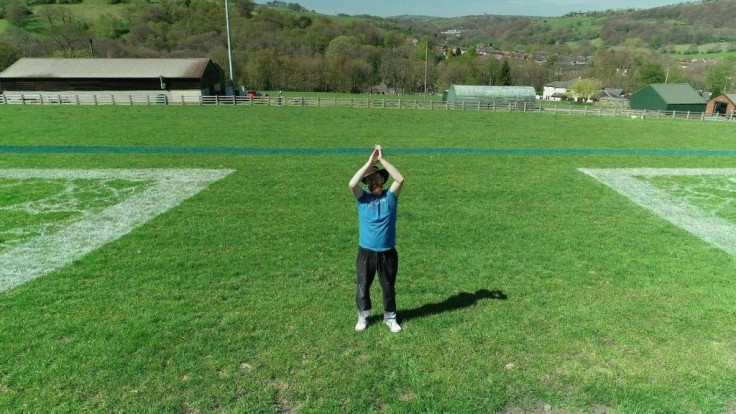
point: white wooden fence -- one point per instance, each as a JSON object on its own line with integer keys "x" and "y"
{"x": 357, "y": 102}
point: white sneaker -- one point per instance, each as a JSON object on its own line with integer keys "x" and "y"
{"x": 362, "y": 320}
{"x": 361, "y": 325}
{"x": 393, "y": 325}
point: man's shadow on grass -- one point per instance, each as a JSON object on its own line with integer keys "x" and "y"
{"x": 455, "y": 302}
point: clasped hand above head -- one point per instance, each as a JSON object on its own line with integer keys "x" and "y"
{"x": 376, "y": 155}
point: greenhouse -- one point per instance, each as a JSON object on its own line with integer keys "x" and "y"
{"x": 490, "y": 96}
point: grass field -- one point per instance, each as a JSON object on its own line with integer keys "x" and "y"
{"x": 524, "y": 285}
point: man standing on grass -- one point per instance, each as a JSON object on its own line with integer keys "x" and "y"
{"x": 377, "y": 230}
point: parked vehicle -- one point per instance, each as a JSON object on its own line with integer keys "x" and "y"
{"x": 252, "y": 94}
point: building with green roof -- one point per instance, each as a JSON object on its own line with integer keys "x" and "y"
{"x": 680, "y": 97}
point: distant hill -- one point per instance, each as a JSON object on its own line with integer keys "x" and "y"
{"x": 282, "y": 46}
{"x": 695, "y": 23}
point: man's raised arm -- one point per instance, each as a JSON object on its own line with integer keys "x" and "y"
{"x": 393, "y": 172}
{"x": 354, "y": 184}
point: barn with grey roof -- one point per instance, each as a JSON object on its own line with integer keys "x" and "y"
{"x": 169, "y": 77}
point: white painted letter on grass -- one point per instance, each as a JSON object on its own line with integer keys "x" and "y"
{"x": 45, "y": 253}
{"x": 638, "y": 185}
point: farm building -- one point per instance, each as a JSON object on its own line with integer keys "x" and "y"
{"x": 556, "y": 91}
{"x": 472, "y": 95}
{"x": 117, "y": 77}
{"x": 723, "y": 104}
{"x": 679, "y": 97}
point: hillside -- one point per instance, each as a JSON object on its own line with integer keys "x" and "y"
{"x": 282, "y": 46}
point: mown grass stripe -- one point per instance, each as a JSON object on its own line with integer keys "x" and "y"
{"x": 73, "y": 149}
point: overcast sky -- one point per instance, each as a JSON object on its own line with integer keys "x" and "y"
{"x": 450, "y": 8}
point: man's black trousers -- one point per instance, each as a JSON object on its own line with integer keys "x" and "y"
{"x": 386, "y": 264}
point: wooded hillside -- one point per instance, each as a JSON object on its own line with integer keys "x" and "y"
{"x": 282, "y": 46}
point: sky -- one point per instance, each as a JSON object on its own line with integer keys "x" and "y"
{"x": 455, "y": 8}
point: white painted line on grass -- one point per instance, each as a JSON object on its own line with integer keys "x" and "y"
{"x": 46, "y": 253}
{"x": 709, "y": 227}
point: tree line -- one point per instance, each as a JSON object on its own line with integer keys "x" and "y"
{"x": 282, "y": 46}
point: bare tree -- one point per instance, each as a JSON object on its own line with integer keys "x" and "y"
{"x": 69, "y": 33}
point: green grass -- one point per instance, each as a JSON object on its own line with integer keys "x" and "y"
{"x": 33, "y": 207}
{"x": 523, "y": 283}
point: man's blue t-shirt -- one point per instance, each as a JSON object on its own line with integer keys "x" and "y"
{"x": 377, "y": 217}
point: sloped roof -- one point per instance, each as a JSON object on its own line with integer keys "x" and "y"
{"x": 560, "y": 84}
{"x": 476, "y": 91}
{"x": 106, "y": 68}
{"x": 677, "y": 93}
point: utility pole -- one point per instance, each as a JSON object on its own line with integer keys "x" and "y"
{"x": 426, "y": 55}
{"x": 229, "y": 49}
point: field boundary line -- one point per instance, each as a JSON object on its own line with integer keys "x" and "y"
{"x": 707, "y": 226}
{"x": 74, "y": 149}
{"x": 47, "y": 253}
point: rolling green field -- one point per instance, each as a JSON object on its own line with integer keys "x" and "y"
{"x": 524, "y": 284}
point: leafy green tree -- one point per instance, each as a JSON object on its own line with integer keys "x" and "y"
{"x": 505, "y": 74}
{"x": 16, "y": 13}
{"x": 719, "y": 77}
{"x": 651, "y": 73}
{"x": 263, "y": 69}
{"x": 586, "y": 88}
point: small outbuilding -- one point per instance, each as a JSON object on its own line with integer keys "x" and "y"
{"x": 680, "y": 97}
{"x": 158, "y": 77}
{"x": 723, "y": 104}
{"x": 472, "y": 95}
{"x": 557, "y": 91}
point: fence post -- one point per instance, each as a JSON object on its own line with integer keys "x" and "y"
{"x": 112, "y": 98}
{"x": 673, "y": 114}
{"x": 77, "y": 98}
{"x": 478, "y": 106}
{"x": 585, "y": 110}
{"x": 94, "y": 98}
